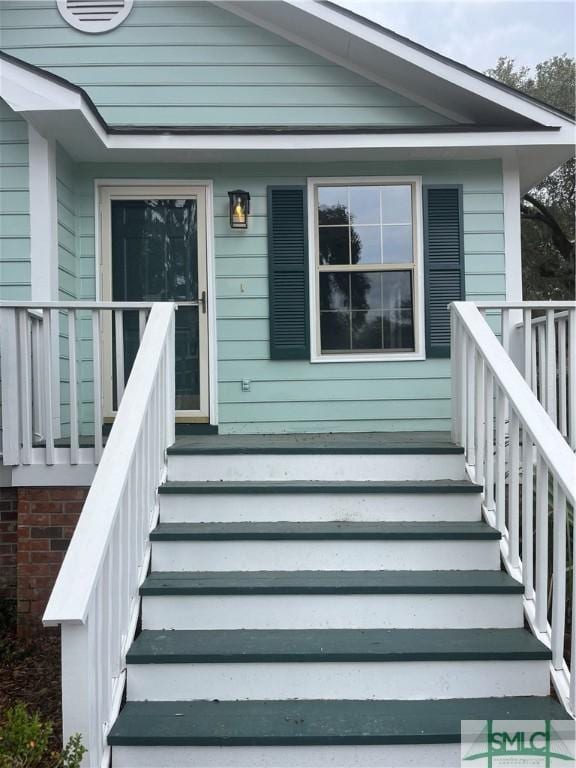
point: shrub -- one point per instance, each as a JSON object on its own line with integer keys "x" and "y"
{"x": 24, "y": 742}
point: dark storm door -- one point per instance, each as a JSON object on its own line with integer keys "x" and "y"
{"x": 157, "y": 252}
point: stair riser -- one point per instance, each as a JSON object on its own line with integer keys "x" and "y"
{"x": 319, "y": 507}
{"x": 397, "y": 611}
{"x": 339, "y": 467}
{"x": 389, "y": 756}
{"x": 338, "y": 680}
{"x": 298, "y": 555}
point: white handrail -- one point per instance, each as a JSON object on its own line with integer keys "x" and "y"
{"x": 95, "y": 598}
{"x": 506, "y": 433}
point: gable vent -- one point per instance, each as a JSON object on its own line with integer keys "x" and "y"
{"x": 94, "y": 16}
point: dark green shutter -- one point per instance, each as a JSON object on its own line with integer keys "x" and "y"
{"x": 288, "y": 273}
{"x": 444, "y": 262}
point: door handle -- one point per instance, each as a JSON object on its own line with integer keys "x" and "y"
{"x": 202, "y": 301}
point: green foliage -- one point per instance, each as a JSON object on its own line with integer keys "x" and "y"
{"x": 25, "y": 739}
{"x": 548, "y": 209}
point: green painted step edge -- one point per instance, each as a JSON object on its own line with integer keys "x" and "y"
{"x": 387, "y": 450}
{"x": 309, "y": 722}
{"x": 330, "y": 582}
{"x": 428, "y": 487}
{"x": 335, "y": 531}
{"x": 331, "y": 645}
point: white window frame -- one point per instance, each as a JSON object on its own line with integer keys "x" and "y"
{"x": 316, "y": 355}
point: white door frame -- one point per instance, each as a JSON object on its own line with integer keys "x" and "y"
{"x": 104, "y": 191}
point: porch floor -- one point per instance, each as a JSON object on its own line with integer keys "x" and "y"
{"x": 341, "y": 442}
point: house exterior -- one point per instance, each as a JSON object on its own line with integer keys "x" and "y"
{"x": 267, "y": 207}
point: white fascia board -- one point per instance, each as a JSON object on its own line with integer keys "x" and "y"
{"x": 440, "y": 140}
{"x": 432, "y": 64}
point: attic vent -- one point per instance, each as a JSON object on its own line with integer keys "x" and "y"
{"x": 94, "y": 15}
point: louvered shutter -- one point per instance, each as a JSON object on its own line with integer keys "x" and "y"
{"x": 444, "y": 262}
{"x": 288, "y": 273}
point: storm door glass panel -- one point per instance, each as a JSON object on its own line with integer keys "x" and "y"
{"x": 155, "y": 258}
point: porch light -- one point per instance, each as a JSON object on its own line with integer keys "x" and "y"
{"x": 239, "y": 209}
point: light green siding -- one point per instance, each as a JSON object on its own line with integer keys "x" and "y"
{"x": 14, "y": 206}
{"x": 299, "y": 396}
{"x": 181, "y": 62}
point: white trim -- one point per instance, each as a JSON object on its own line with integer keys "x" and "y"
{"x": 384, "y": 140}
{"x": 512, "y": 228}
{"x": 211, "y": 280}
{"x": 419, "y": 354}
{"x": 207, "y": 187}
{"x": 43, "y": 217}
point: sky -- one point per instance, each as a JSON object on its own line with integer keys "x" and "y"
{"x": 477, "y": 32}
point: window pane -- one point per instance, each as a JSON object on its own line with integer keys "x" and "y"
{"x": 367, "y": 331}
{"x": 399, "y": 330}
{"x": 365, "y": 245}
{"x": 333, "y": 243}
{"x": 333, "y": 205}
{"x": 334, "y": 331}
{"x": 366, "y": 290}
{"x": 397, "y": 244}
{"x": 397, "y": 290}
{"x": 397, "y": 204}
{"x": 365, "y": 205}
{"x": 334, "y": 290}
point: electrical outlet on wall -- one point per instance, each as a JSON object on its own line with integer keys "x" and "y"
{"x": 246, "y": 385}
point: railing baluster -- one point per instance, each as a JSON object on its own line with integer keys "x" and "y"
{"x": 528, "y": 514}
{"x": 572, "y": 378}
{"x": 471, "y": 390}
{"x": 462, "y": 357}
{"x": 480, "y": 420}
{"x": 141, "y": 323}
{"x": 562, "y": 379}
{"x": 500, "y": 469}
{"x": 25, "y": 398}
{"x": 541, "y": 585}
{"x": 506, "y": 330}
{"x": 119, "y": 342}
{"x": 513, "y": 477}
{"x": 97, "y": 374}
{"x": 542, "y": 360}
{"x": 47, "y": 376}
{"x": 534, "y": 353}
{"x": 72, "y": 367}
{"x": 37, "y": 382}
{"x": 551, "y": 366}
{"x": 527, "y": 339}
{"x": 489, "y": 484}
{"x": 559, "y": 578}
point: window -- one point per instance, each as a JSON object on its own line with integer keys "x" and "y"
{"x": 366, "y": 269}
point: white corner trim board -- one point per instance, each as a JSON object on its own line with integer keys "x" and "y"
{"x": 43, "y": 217}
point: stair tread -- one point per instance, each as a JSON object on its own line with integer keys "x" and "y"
{"x": 309, "y": 722}
{"x": 329, "y": 582}
{"x": 316, "y": 443}
{"x": 309, "y": 645}
{"x": 315, "y": 486}
{"x": 274, "y": 531}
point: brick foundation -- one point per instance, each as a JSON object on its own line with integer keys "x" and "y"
{"x": 47, "y": 518}
{"x": 8, "y": 542}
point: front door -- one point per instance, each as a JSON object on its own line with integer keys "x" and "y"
{"x": 154, "y": 249}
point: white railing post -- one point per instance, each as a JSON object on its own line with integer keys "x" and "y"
{"x": 10, "y": 388}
